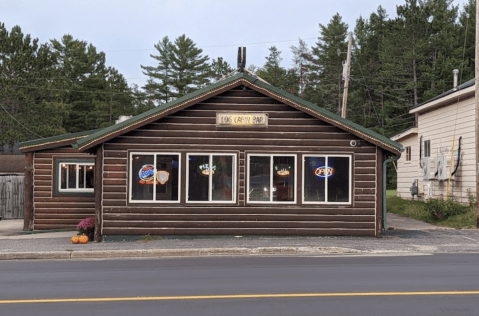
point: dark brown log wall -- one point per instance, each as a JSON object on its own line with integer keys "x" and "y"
{"x": 54, "y": 212}
{"x": 194, "y": 130}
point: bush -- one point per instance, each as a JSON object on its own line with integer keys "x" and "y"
{"x": 443, "y": 209}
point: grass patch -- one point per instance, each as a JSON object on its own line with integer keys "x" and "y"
{"x": 418, "y": 210}
{"x": 391, "y": 192}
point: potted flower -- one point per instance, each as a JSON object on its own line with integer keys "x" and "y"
{"x": 87, "y": 227}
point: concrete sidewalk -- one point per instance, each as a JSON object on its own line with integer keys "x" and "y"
{"x": 409, "y": 237}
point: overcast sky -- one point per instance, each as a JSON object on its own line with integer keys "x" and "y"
{"x": 126, "y": 30}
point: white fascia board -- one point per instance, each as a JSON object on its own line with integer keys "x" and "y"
{"x": 459, "y": 95}
{"x": 412, "y": 130}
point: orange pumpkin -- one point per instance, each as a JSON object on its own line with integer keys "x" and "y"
{"x": 75, "y": 239}
{"x": 83, "y": 239}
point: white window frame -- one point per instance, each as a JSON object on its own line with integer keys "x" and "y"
{"x": 326, "y": 182}
{"x": 77, "y": 184}
{"x": 271, "y": 178}
{"x": 210, "y": 178}
{"x": 408, "y": 154}
{"x": 153, "y": 201}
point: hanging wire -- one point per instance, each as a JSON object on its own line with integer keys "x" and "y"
{"x": 19, "y": 122}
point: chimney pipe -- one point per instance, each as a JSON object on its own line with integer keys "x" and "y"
{"x": 455, "y": 72}
{"x": 241, "y": 58}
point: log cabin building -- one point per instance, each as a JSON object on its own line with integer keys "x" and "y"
{"x": 239, "y": 157}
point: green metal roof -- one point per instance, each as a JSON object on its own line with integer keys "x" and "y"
{"x": 335, "y": 119}
{"x": 460, "y": 87}
{"x": 54, "y": 139}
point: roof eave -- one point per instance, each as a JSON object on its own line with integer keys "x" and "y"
{"x": 458, "y": 96}
{"x": 412, "y": 130}
{"x": 217, "y": 88}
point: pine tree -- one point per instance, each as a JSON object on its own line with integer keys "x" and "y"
{"x": 301, "y": 56}
{"x": 83, "y": 73}
{"x": 219, "y": 68}
{"x": 117, "y": 100}
{"x": 26, "y": 94}
{"x": 326, "y": 65}
{"x": 276, "y": 75}
{"x": 161, "y": 76}
{"x": 189, "y": 68}
{"x": 466, "y": 35}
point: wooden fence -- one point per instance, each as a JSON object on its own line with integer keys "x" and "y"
{"x": 11, "y": 196}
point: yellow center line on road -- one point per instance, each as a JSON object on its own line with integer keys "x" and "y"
{"x": 233, "y": 296}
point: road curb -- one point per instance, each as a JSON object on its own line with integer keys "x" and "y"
{"x": 195, "y": 252}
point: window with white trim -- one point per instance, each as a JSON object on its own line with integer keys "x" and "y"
{"x": 154, "y": 177}
{"x": 211, "y": 178}
{"x": 76, "y": 177}
{"x": 327, "y": 179}
{"x": 408, "y": 153}
{"x": 271, "y": 178}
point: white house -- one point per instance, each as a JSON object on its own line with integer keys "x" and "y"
{"x": 444, "y": 131}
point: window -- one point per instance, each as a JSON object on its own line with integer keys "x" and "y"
{"x": 408, "y": 153}
{"x": 76, "y": 176}
{"x": 327, "y": 179}
{"x": 272, "y": 178}
{"x": 154, "y": 177}
{"x": 211, "y": 178}
{"x": 427, "y": 148}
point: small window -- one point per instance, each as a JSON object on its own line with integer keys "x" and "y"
{"x": 155, "y": 178}
{"x": 427, "y": 148}
{"x": 211, "y": 178}
{"x": 272, "y": 178}
{"x": 76, "y": 177}
{"x": 327, "y": 179}
{"x": 408, "y": 153}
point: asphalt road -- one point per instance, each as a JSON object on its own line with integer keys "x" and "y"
{"x": 211, "y": 286}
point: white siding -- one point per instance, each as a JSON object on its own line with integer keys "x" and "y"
{"x": 439, "y": 126}
{"x": 408, "y": 171}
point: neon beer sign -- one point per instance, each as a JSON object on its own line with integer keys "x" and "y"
{"x": 148, "y": 175}
{"x": 204, "y": 169}
{"x": 324, "y": 172}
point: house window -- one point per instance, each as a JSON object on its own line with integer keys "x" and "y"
{"x": 408, "y": 153}
{"x": 211, "y": 178}
{"x": 327, "y": 179}
{"x": 427, "y": 148}
{"x": 154, "y": 177}
{"x": 76, "y": 176}
{"x": 272, "y": 178}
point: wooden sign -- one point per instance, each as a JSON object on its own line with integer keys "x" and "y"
{"x": 242, "y": 119}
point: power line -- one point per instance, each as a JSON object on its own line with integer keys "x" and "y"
{"x": 19, "y": 122}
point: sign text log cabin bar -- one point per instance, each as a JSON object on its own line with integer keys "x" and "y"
{"x": 242, "y": 119}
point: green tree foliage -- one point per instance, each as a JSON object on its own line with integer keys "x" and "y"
{"x": 96, "y": 94}
{"x": 276, "y": 75}
{"x": 26, "y": 72}
{"x": 219, "y": 68}
{"x": 181, "y": 69}
{"x": 189, "y": 68}
{"x": 301, "y": 64}
{"x": 326, "y": 65}
{"x": 160, "y": 77}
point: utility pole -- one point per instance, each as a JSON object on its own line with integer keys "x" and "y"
{"x": 476, "y": 93}
{"x": 346, "y": 79}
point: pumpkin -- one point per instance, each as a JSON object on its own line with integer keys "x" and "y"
{"x": 75, "y": 239}
{"x": 83, "y": 239}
